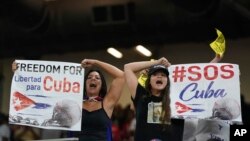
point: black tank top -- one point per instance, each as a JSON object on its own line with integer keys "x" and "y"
{"x": 96, "y": 126}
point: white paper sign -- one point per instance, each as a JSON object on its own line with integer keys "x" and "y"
{"x": 47, "y": 94}
{"x": 206, "y": 90}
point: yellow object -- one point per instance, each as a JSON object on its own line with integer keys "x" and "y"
{"x": 143, "y": 77}
{"x": 219, "y": 45}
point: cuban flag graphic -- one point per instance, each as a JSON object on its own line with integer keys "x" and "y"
{"x": 20, "y": 102}
{"x": 182, "y": 108}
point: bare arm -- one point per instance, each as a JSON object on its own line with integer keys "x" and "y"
{"x": 131, "y": 69}
{"x": 216, "y": 59}
{"x": 116, "y": 87}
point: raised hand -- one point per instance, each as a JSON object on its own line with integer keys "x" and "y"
{"x": 164, "y": 61}
{"x": 86, "y": 63}
{"x": 14, "y": 66}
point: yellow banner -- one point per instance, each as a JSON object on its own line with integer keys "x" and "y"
{"x": 143, "y": 77}
{"x": 219, "y": 45}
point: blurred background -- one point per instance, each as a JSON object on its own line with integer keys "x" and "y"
{"x": 71, "y": 30}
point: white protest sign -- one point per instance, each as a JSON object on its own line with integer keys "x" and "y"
{"x": 47, "y": 94}
{"x": 205, "y": 90}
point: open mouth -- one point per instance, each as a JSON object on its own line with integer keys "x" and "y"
{"x": 158, "y": 82}
{"x": 92, "y": 85}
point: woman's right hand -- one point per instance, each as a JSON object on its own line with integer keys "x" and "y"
{"x": 14, "y": 66}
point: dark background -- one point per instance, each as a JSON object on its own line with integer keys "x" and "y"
{"x": 32, "y": 28}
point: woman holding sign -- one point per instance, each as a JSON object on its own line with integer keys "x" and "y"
{"x": 152, "y": 102}
{"x": 99, "y": 102}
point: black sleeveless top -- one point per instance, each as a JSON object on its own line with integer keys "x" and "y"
{"x": 96, "y": 126}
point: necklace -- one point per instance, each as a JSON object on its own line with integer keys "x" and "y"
{"x": 93, "y": 98}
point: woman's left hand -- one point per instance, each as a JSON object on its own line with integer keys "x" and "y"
{"x": 86, "y": 63}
